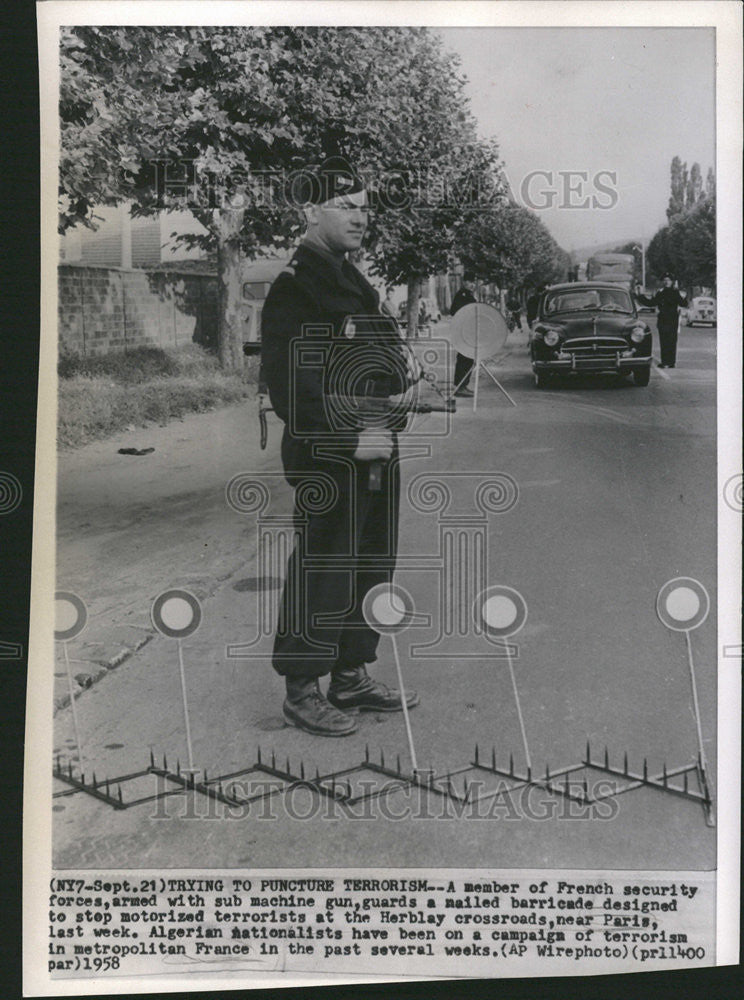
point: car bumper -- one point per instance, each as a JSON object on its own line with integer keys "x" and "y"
{"x": 590, "y": 364}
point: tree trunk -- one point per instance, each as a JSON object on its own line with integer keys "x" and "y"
{"x": 412, "y": 306}
{"x": 228, "y": 225}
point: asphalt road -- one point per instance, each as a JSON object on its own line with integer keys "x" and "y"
{"x": 616, "y": 495}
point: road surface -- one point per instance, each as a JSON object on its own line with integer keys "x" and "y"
{"x": 616, "y": 496}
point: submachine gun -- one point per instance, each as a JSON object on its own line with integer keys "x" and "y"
{"x": 359, "y": 382}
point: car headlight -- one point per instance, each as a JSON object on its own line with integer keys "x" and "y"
{"x": 637, "y": 334}
{"x": 551, "y": 337}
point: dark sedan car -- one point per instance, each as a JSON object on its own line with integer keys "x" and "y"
{"x": 589, "y": 327}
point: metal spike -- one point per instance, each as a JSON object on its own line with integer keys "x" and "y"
{"x": 286, "y": 769}
{"x": 348, "y": 789}
{"x": 273, "y": 759}
{"x": 606, "y": 758}
{"x": 566, "y": 784}
{"x": 121, "y": 799}
{"x": 645, "y": 769}
{"x": 430, "y": 777}
{"x": 259, "y": 755}
{"x": 476, "y": 753}
{"x": 108, "y": 790}
{"x": 588, "y": 753}
{"x": 625, "y": 762}
{"x": 366, "y": 753}
{"x": 317, "y": 773}
{"x": 382, "y": 759}
{"x": 664, "y": 775}
{"x": 397, "y": 763}
{"x": 585, "y": 789}
{"x": 493, "y": 758}
{"x": 82, "y": 778}
{"x": 302, "y": 769}
{"x": 547, "y": 771}
{"x": 178, "y": 765}
{"x": 69, "y": 768}
{"x": 94, "y": 779}
{"x": 152, "y": 758}
{"x": 219, "y": 786}
{"x": 684, "y": 781}
{"x": 511, "y": 764}
{"x": 529, "y": 772}
{"x": 205, "y": 778}
{"x": 165, "y": 763}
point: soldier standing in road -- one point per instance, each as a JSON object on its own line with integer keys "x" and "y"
{"x": 463, "y": 365}
{"x": 321, "y": 627}
{"x": 668, "y": 300}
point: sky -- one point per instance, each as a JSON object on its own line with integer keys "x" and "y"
{"x": 600, "y": 101}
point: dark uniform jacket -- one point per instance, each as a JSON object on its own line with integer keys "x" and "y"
{"x": 463, "y": 297}
{"x": 668, "y": 301}
{"x": 315, "y": 293}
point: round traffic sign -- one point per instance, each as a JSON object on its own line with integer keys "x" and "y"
{"x": 682, "y": 604}
{"x": 500, "y": 611}
{"x": 70, "y": 615}
{"x": 176, "y": 614}
{"x": 388, "y": 608}
{"x": 478, "y": 331}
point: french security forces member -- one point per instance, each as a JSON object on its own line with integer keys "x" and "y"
{"x": 321, "y": 628}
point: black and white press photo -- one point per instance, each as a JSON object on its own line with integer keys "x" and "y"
{"x": 385, "y": 580}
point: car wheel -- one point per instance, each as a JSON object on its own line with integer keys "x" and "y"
{"x": 641, "y": 376}
{"x": 541, "y": 380}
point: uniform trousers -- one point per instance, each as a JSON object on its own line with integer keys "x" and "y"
{"x": 345, "y": 545}
{"x": 668, "y": 328}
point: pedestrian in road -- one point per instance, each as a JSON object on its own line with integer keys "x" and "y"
{"x": 533, "y": 305}
{"x": 668, "y": 301}
{"x": 348, "y": 544}
{"x": 463, "y": 365}
{"x": 514, "y": 305}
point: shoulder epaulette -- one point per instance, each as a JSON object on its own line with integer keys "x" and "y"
{"x": 290, "y": 267}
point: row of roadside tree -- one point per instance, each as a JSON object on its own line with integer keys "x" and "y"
{"x": 686, "y": 246}
{"x": 220, "y": 119}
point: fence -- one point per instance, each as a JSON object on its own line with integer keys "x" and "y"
{"x": 104, "y": 309}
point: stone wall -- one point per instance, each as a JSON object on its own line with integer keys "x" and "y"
{"x": 104, "y": 309}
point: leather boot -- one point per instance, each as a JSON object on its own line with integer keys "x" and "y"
{"x": 352, "y": 687}
{"x": 307, "y": 708}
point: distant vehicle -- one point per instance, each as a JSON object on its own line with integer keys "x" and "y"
{"x": 432, "y": 310}
{"x": 614, "y": 267}
{"x": 429, "y": 312}
{"x": 258, "y": 277}
{"x": 701, "y": 310}
{"x": 589, "y": 328}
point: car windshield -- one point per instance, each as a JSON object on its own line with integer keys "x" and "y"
{"x": 601, "y": 299}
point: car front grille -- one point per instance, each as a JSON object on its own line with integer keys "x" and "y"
{"x": 594, "y": 347}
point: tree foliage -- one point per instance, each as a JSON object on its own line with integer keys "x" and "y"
{"x": 511, "y": 247}
{"x": 686, "y": 246}
{"x": 216, "y": 119}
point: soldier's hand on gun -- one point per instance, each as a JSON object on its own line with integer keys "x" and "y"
{"x": 374, "y": 445}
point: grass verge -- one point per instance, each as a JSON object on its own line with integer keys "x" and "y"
{"x": 103, "y": 395}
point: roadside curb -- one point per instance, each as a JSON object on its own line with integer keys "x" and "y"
{"x": 84, "y": 681}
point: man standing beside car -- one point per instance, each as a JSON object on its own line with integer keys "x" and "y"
{"x": 668, "y": 300}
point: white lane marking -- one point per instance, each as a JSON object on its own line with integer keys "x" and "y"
{"x": 662, "y": 374}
